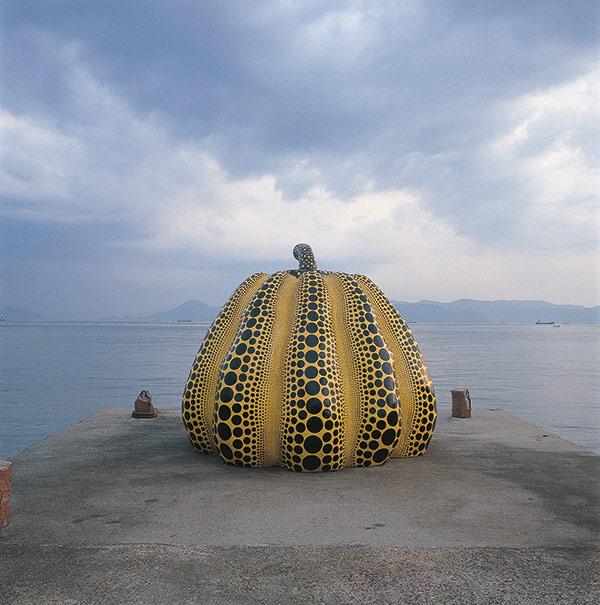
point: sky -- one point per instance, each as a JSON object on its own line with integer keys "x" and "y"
{"x": 156, "y": 152}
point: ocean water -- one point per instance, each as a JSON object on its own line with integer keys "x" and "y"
{"x": 54, "y": 374}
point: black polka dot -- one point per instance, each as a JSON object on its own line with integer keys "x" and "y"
{"x": 313, "y": 444}
{"x": 312, "y": 340}
{"x": 310, "y": 463}
{"x": 226, "y": 451}
{"x": 310, "y": 372}
{"x": 226, "y": 394}
{"x": 224, "y": 431}
{"x": 312, "y": 356}
{"x": 314, "y": 424}
{"x": 314, "y": 405}
{"x": 312, "y": 387}
{"x": 388, "y": 437}
{"x": 380, "y": 455}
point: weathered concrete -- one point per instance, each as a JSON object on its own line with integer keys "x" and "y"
{"x": 115, "y": 509}
{"x": 158, "y": 573}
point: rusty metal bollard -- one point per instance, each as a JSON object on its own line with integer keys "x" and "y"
{"x": 143, "y": 407}
{"x": 5, "y": 485}
{"x": 461, "y": 403}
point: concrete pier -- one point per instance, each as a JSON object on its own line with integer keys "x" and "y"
{"x": 119, "y": 510}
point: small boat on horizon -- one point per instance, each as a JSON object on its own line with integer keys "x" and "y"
{"x": 184, "y": 321}
{"x": 544, "y": 323}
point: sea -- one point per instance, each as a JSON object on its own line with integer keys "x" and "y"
{"x": 55, "y": 374}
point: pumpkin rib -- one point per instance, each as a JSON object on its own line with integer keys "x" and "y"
{"x": 240, "y": 417}
{"x": 349, "y": 381}
{"x": 378, "y": 424}
{"x": 402, "y": 373}
{"x": 282, "y": 327}
{"x": 199, "y": 394}
{"x": 417, "y": 398}
{"x": 312, "y": 429}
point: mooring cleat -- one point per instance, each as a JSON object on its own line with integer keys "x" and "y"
{"x": 143, "y": 407}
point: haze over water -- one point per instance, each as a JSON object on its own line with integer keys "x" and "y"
{"x": 54, "y": 374}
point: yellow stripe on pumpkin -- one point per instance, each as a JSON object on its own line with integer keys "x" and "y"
{"x": 349, "y": 382}
{"x": 282, "y": 327}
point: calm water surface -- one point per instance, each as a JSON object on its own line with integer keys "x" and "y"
{"x": 54, "y": 374}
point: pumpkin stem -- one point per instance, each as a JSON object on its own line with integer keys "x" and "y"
{"x": 306, "y": 259}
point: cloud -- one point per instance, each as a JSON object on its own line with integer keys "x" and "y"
{"x": 452, "y": 145}
{"x": 553, "y": 150}
{"x": 174, "y": 195}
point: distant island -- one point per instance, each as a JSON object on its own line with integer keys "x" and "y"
{"x": 20, "y": 314}
{"x": 470, "y": 311}
{"x": 191, "y": 310}
{"x": 463, "y": 311}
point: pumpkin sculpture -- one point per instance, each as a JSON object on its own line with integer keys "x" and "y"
{"x": 309, "y": 370}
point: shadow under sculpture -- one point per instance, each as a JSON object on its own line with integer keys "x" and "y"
{"x": 309, "y": 370}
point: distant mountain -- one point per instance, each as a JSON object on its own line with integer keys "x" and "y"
{"x": 427, "y": 311}
{"x": 191, "y": 310}
{"x": 469, "y": 311}
{"x": 20, "y": 314}
{"x": 463, "y": 311}
{"x": 194, "y": 310}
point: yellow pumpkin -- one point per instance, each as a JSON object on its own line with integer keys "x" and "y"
{"x": 309, "y": 370}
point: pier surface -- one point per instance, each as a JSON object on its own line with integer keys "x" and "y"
{"x": 118, "y": 510}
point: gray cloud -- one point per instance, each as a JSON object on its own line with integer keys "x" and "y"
{"x": 124, "y": 116}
